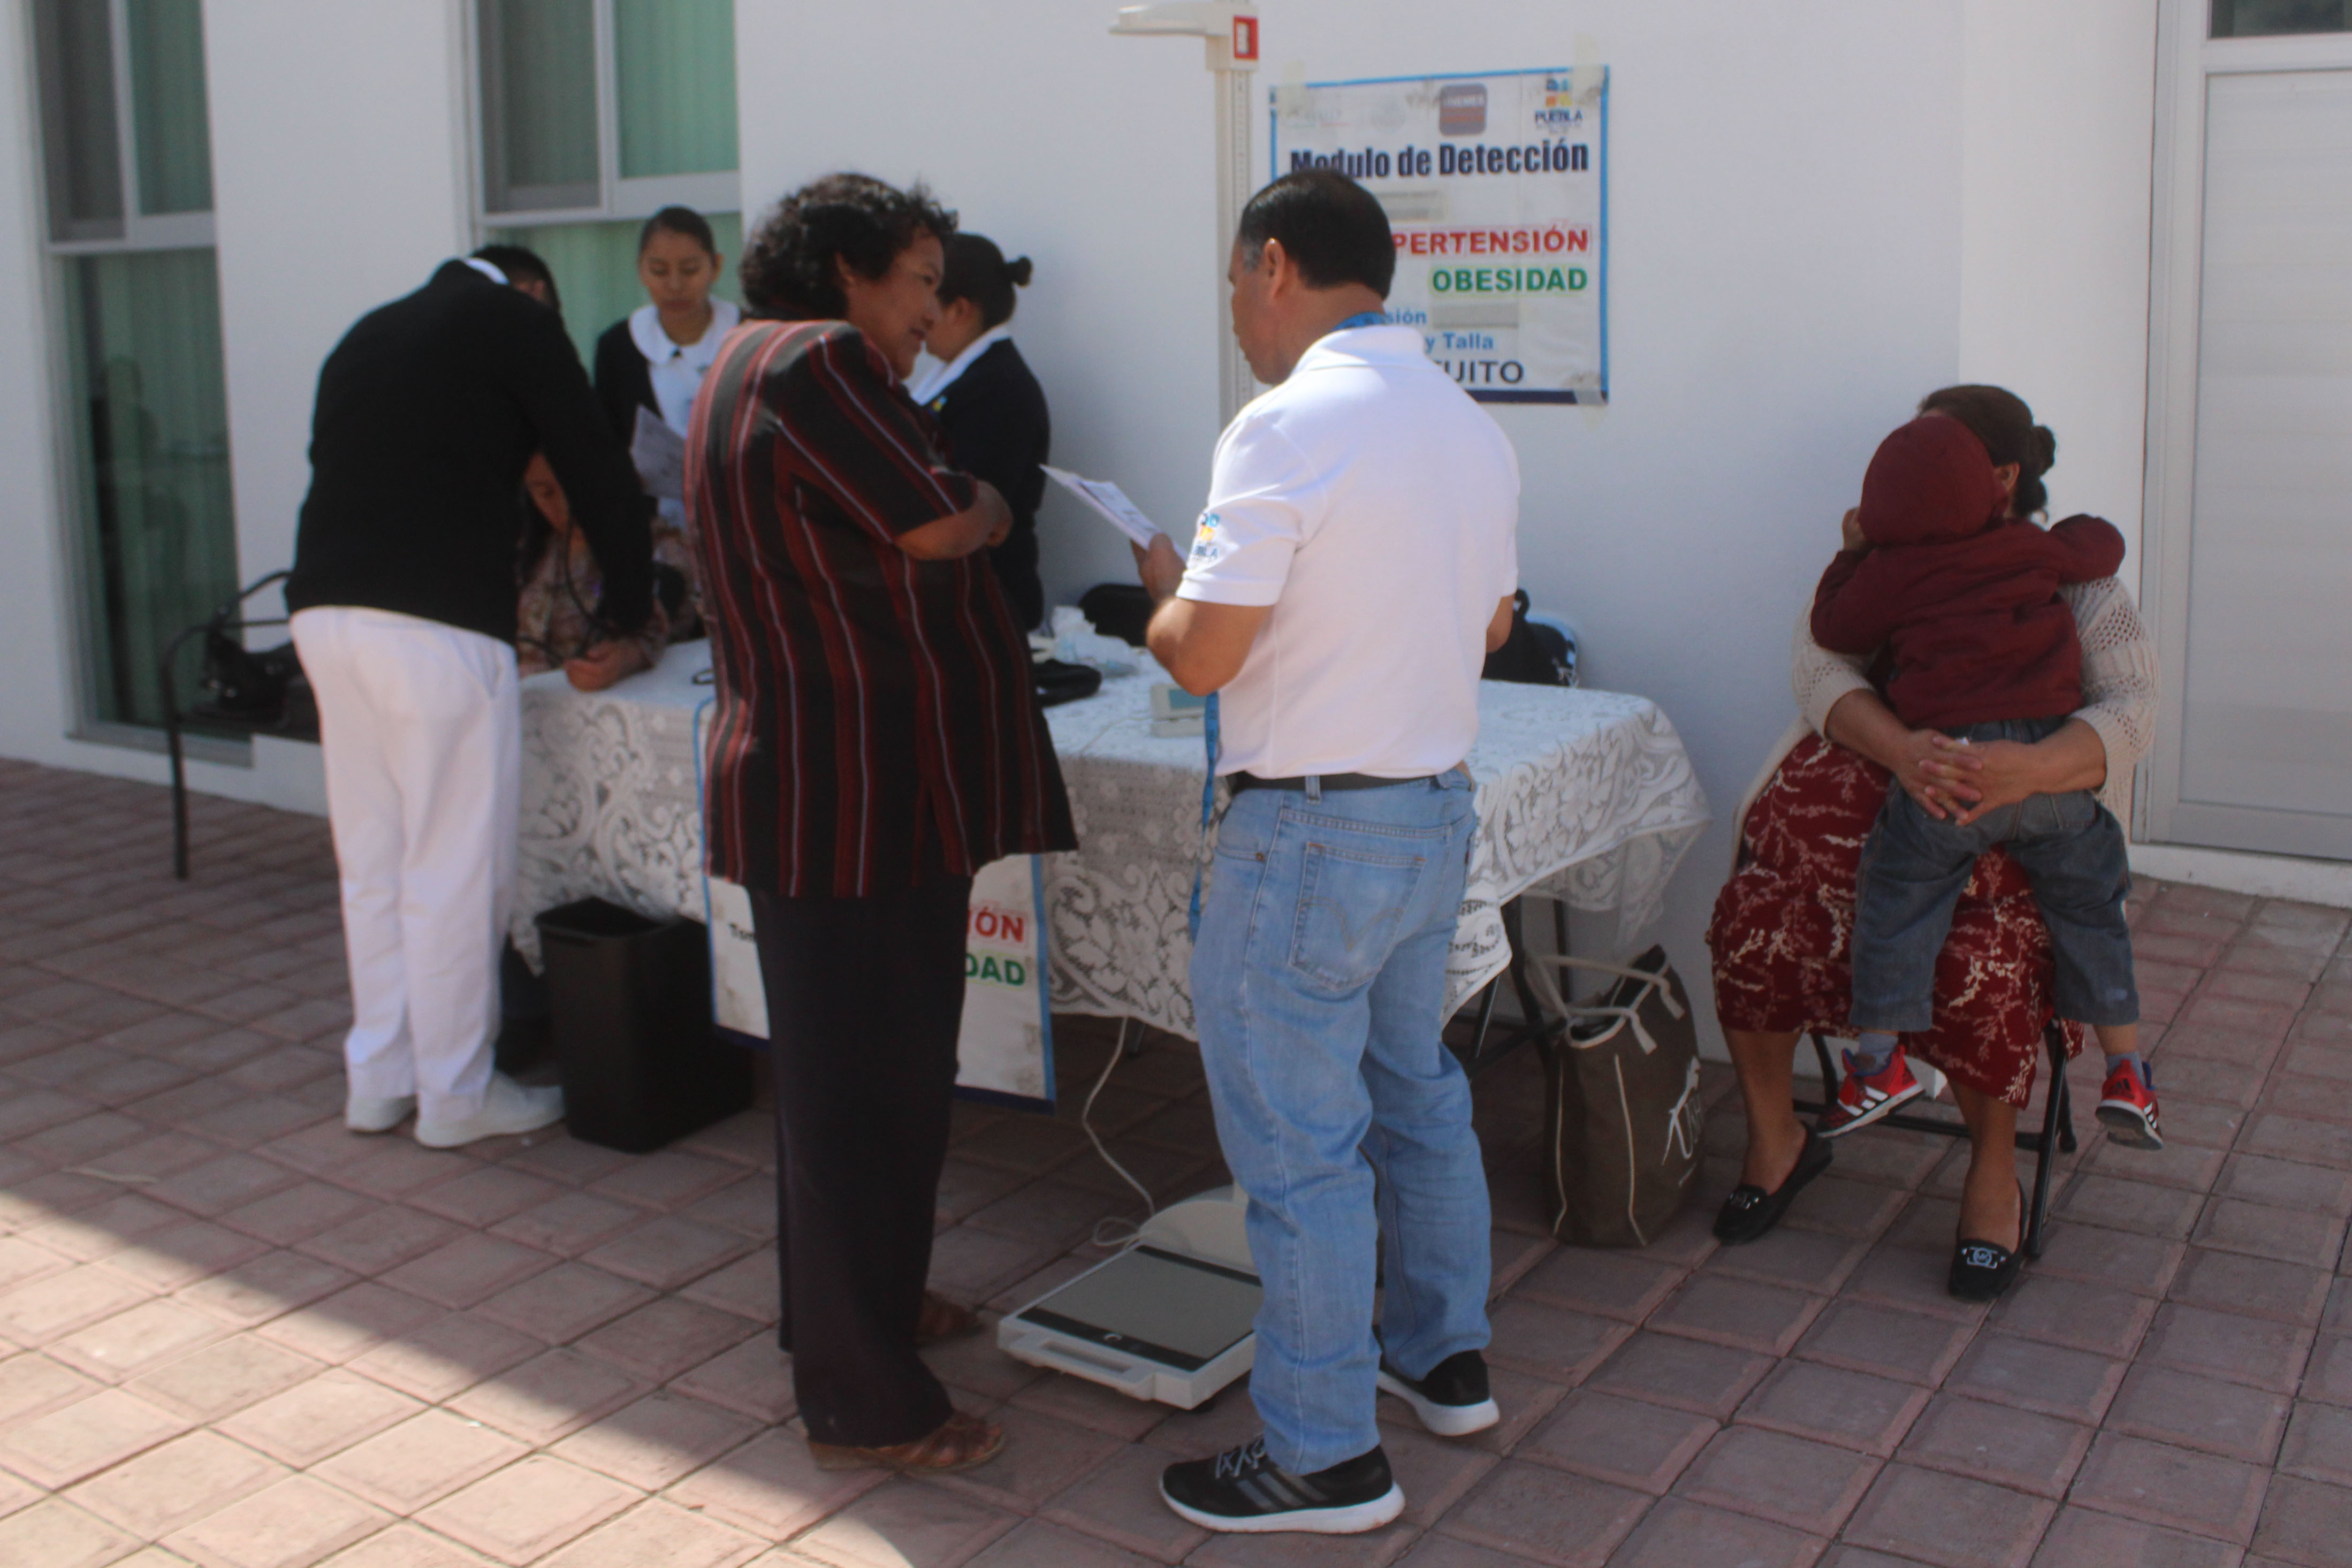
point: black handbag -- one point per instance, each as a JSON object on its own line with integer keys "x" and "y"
{"x": 257, "y": 691}
{"x": 1058, "y": 682}
{"x": 1534, "y": 654}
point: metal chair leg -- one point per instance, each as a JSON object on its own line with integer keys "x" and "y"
{"x": 1486, "y": 1018}
{"x": 2066, "y": 1090}
{"x": 179, "y": 757}
{"x": 179, "y": 798}
{"x": 2057, "y": 1134}
{"x": 1531, "y": 1009}
{"x": 1830, "y": 1078}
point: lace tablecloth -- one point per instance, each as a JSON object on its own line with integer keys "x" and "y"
{"x": 1585, "y": 795}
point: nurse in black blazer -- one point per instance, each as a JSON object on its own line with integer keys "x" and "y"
{"x": 651, "y": 361}
{"x": 991, "y": 412}
{"x": 654, "y": 357}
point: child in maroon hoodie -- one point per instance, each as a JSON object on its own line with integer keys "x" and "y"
{"x": 1959, "y": 601}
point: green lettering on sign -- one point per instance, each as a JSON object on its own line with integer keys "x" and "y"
{"x": 994, "y": 969}
{"x": 1507, "y": 279}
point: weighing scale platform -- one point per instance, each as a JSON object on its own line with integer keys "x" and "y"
{"x": 1167, "y": 1320}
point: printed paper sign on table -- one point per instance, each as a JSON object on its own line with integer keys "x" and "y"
{"x": 1497, "y": 188}
{"x": 1005, "y": 1052}
{"x": 1006, "y": 1048}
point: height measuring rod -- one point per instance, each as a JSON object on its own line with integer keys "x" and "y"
{"x": 1231, "y": 32}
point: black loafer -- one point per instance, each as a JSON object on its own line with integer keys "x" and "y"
{"x": 1750, "y": 1211}
{"x": 1982, "y": 1271}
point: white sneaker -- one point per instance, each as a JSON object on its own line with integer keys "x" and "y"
{"x": 376, "y": 1115}
{"x": 507, "y": 1106}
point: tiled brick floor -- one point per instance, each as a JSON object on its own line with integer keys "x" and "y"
{"x": 232, "y": 1333}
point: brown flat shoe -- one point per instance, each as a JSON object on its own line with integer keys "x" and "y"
{"x": 942, "y": 1319}
{"x": 961, "y": 1442}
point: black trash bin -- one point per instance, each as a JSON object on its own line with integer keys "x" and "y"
{"x": 631, "y": 1001}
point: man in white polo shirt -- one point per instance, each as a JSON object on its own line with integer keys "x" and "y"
{"x": 1354, "y": 566}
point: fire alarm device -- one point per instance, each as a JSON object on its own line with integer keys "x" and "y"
{"x": 1245, "y": 38}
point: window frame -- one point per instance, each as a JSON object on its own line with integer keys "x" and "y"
{"x": 617, "y": 199}
{"x": 2187, "y": 58}
{"x": 139, "y": 229}
{"x": 2209, "y": 35}
{"x": 138, "y": 233}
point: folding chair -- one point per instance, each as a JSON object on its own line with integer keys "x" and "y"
{"x": 2057, "y": 1123}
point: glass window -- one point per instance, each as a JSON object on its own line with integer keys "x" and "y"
{"x": 150, "y": 429}
{"x": 539, "y": 77}
{"x": 2263, "y": 18}
{"x": 167, "y": 83}
{"x": 146, "y": 411}
{"x": 675, "y": 64}
{"x": 607, "y": 108}
{"x": 596, "y": 268}
{"x": 75, "y": 42}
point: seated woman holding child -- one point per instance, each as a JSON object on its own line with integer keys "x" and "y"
{"x": 1783, "y": 923}
{"x": 555, "y": 623}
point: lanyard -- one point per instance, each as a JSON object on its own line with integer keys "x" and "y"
{"x": 1208, "y": 810}
{"x": 1209, "y": 715}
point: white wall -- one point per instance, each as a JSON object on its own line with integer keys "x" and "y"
{"x": 1089, "y": 155}
{"x": 37, "y": 700}
{"x": 340, "y": 181}
{"x": 1820, "y": 211}
{"x": 1785, "y": 231}
{"x": 338, "y": 158}
{"x": 2056, "y": 176}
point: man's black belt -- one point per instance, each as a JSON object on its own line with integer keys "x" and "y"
{"x": 1240, "y": 782}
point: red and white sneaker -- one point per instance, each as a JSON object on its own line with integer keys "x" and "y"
{"x": 2127, "y": 1108}
{"x": 1864, "y": 1098}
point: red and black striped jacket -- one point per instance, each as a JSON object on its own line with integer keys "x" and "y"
{"x": 875, "y": 725}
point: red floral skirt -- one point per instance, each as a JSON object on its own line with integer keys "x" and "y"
{"x": 1783, "y": 922}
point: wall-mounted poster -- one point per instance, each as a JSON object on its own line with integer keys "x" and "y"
{"x": 1496, "y": 187}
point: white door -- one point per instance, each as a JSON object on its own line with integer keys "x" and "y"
{"x": 2249, "y": 569}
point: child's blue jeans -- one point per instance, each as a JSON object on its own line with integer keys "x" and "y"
{"x": 1914, "y": 867}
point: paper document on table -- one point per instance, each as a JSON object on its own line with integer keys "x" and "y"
{"x": 1110, "y": 502}
{"x": 659, "y": 453}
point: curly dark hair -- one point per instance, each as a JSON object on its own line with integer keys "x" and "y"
{"x": 788, "y": 269}
{"x": 2005, "y": 425}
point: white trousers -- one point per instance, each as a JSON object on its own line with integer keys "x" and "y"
{"x": 423, "y": 733}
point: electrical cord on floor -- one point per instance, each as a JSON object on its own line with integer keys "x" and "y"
{"x": 1112, "y": 1231}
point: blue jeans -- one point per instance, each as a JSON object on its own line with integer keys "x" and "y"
{"x": 1912, "y": 867}
{"x": 1318, "y": 983}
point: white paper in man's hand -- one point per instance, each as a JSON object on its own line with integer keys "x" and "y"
{"x": 659, "y": 453}
{"x": 1109, "y": 502}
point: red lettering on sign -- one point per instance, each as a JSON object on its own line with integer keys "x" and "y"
{"x": 990, "y": 924}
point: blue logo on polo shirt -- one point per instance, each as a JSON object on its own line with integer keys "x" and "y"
{"x": 1205, "y": 548}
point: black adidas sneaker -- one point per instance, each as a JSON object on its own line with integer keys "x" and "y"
{"x": 1242, "y": 1490}
{"x": 1454, "y": 1400}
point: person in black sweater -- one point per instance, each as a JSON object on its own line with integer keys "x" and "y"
{"x": 991, "y": 410}
{"x": 402, "y": 598}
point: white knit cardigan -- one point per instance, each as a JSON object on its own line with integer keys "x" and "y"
{"x": 2118, "y": 690}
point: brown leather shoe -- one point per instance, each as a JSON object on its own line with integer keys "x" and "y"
{"x": 942, "y": 1319}
{"x": 961, "y": 1442}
